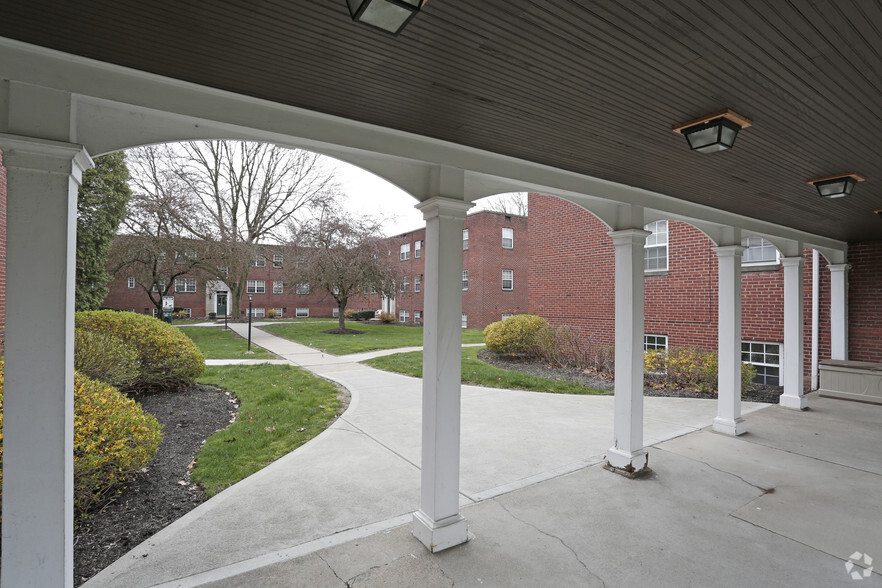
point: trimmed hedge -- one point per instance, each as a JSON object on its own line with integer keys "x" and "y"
{"x": 107, "y": 358}
{"x": 169, "y": 359}
{"x": 516, "y": 335}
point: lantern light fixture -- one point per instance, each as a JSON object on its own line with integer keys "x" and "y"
{"x": 836, "y": 186}
{"x": 714, "y": 132}
{"x": 387, "y": 15}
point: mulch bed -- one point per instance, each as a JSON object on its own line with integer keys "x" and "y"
{"x": 755, "y": 393}
{"x": 163, "y": 493}
{"x": 343, "y": 332}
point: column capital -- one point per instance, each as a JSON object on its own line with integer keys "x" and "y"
{"x": 793, "y": 261}
{"x": 28, "y": 153}
{"x": 438, "y": 206}
{"x": 730, "y": 250}
{"x": 629, "y": 236}
{"x": 839, "y": 267}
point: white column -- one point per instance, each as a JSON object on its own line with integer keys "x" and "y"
{"x": 793, "y": 333}
{"x": 438, "y": 524}
{"x": 839, "y": 311}
{"x": 729, "y": 419}
{"x": 43, "y": 177}
{"x": 627, "y": 454}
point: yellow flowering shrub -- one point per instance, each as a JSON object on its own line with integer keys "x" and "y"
{"x": 113, "y": 438}
{"x": 516, "y": 335}
{"x": 688, "y": 368}
{"x": 107, "y": 358}
{"x": 168, "y": 358}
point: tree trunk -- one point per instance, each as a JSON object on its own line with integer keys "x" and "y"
{"x": 341, "y": 318}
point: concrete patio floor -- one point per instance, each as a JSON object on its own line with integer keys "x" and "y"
{"x": 784, "y": 505}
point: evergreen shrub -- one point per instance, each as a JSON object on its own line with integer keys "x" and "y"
{"x": 515, "y": 335}
{"x": 107, "y": 358}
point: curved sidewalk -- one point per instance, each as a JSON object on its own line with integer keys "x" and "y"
{"x": 361, "y": 475}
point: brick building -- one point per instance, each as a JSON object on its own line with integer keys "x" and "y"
{"x": 571, "y": 281}
{"x": 494, "y": 276}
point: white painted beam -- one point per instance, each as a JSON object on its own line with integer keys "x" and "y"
{"x": 839, "y": 311}
{"x": 728, "y": 418}
{"x": 793, "y": 332}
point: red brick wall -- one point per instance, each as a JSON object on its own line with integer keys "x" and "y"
{"x": 2, "y": 255}
{"x": 864, "y": 296}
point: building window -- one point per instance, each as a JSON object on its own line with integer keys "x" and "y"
{"x": 506, "y": 315}
{"x": 155, "y": 313}
{"x": 465, "y": 279}
{"x": 277, "y": 261}
{"x": 418, "y": 282}
{"x": 403, "y": 316}
{"x": 160, "y": 257}
{"x": 155, "y": 287}
{"x": 279, "y": 312}
{"x": 181, "y": 258}
{"x": 131, "y": 282}
{"x": 417, "y": 317}
{"x": 465, "y": 239}
{"x": 256, "y": 312}
{"x": 185, "y": 284}
{"x": 302, "y": 289}
{"x": 759, "y": 251}
{"x": 259, "y": 261}
{"x": 223, "y": 271}
{"x": 766, "y": 358}
{"x": 255, "y": 287}
{"x": 508, "y": 279}
{"x": 465, "y": 321}
{"x": 655, "y": 343}
{"x": 405, "y": 284}
{"x": 278, "y": 287}
{"x": 508, "y": 238}
{"x": 335, "y": 312}
{"x": 373, "y": 289}
{"x": 301, "y": 313}
{"x": 418, "y": 249}
{"x": 188, "y": 312}
{"x": 655, "y": 252}
{"x": 404, "y": 255}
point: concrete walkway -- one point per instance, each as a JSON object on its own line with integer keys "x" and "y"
{"x": 338, "y": 508}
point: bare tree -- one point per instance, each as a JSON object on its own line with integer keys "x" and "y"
{"x": 514, "y": 203}
{"x": 339, "y": 254}
{"x": 234, "y": 195}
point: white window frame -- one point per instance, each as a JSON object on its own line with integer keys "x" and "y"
{"x": 507, "y": 242}
{"x": 155, "y": 312}
{"x": 403, "y": 316}
{"x": 280, "y": 312}
{"x": 418, "y": 283}
{"x": 302, "y": 289}
{"x": 405, "y": 284}
{"x": 188, "y": 312}
{"x": 256, "y": 312}
{"x": 259, "y": 261}
{"x": 255, "y": 287}
{"x": 510, "y": 280}
{"x": 404, "y": 253}
{"x": 751, "y": 352}
{"x": 335, "y": 312}
{"x": 465, "y": 280}
{"x": 465, "y": 321}
{"x": 131, "y": 282}
{"x": 506, "y": 315}
{"x": 277, "y": 260}
{"x": 417, "y": 317}
{"x": 754, "y": 244}
{"x": 465, "y": 239}
{"x": 185, "y": 285}
{"x": 655, "y": 243}
{"x": 654, "y": 342}
{"x": 301, "y": 313}
{"x": 417, "y": 249}
{"x": 278, "y": 287}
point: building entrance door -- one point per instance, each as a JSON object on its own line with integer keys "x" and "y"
{"x": 222, "y": 304}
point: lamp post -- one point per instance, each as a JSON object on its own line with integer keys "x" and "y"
{"x": 249, "y": 323}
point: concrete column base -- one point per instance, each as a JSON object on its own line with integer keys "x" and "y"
{"x": 440, "y": 535}
{"x": 730, "y": 427}
{"x": 631, "y": 465}
{"x": 794, "y": 402}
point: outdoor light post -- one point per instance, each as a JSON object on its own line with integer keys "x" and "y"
{"x": 249, "y": 322}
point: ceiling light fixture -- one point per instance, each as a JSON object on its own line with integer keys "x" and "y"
{"x": 387, "y": 15}
{"x": 836, "y": 186}
{"x": 714, "y": 132}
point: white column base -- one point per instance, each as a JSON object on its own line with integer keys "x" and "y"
{"x": 628, "y": 464}
{"x": 794, "y": 402}
{"x": 440, "y": 535}
{"x": 730, "y": 427}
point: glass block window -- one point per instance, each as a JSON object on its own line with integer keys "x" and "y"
{"x": 766, "y": 358}
{"x": 508, "y": 238}
{"x": 508, "y": 279}
{"x": 255, "y": 287}
{"x": 185, "y": 284}
{"x": 655, "y": 252}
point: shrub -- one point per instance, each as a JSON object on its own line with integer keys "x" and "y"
{"x": 349, "y": 314}
{"x": 386, "y": 317}
{"x": 271, "y": 313}
{"x": 212, "y": 316}
{"x": 363, "y": 315}
{"x": 113, "y": 439}
{"x": 515, "y": 335}
{"x": 688, "y": 368}
{"x": 107, "y": 358}
{"x": 564, "y": 346}
{"x": 169, "y": 359}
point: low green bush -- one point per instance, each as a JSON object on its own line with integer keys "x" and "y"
{"x": 168, "y": 358}
{"x": 515, "y": 335}
{"x": 688, "y": 368}
{"x": 106, "y": 358}
{"x": 363, "y": 315}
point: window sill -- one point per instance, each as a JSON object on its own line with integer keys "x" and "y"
{"x": 770, "y": 266}
{"x": 648, "y": 273}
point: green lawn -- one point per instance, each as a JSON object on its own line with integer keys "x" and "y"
{"x": 475, "y": 371}
{"x": 281, "y": 408}
{"x": 216, "y": 343}
{"x": 374, "y": 336}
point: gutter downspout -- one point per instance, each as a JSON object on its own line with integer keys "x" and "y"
{"x": 816, "y": 289}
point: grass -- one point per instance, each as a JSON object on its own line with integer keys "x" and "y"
{"x": 215, "y": 343}
{"x": 475, "y": 371}
{"x": 281, "y": 408}
{"x": 374, "y": 336}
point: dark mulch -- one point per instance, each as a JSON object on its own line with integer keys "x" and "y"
{"x": 163, "y": 493}
{"x": 755, "y": 393}
{"x": 343, "y": 332}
